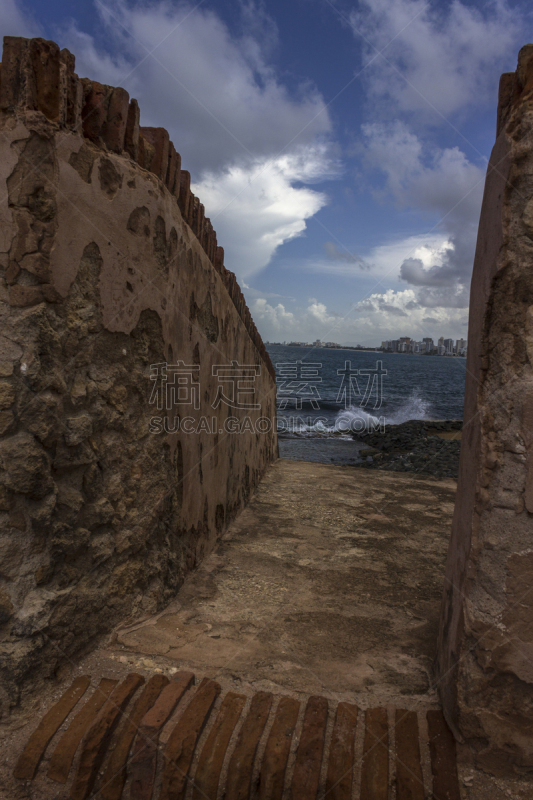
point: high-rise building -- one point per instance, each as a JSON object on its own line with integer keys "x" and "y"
{"x": 448, "y": 345}
{"x": 460, "y": 347}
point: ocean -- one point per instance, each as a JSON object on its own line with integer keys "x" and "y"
{"x": 329, "y": 394}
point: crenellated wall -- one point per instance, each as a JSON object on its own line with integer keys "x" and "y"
{"x": 36, "y": 75}
{"x": 484, "y": 667}
{"x": 107, "y": 268}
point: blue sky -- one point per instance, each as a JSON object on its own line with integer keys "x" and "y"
{"x": 339, "y": 147}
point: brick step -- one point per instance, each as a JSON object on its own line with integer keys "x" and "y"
{"x": 146, "y": 741}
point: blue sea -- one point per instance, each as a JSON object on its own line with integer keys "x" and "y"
{"x": 330, "y": 394}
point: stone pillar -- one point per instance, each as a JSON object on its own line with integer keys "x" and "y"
{"x": 484, "y": 666}
{"x": 158, "y": 138}
{"x": 131, "y": 136}
{"x": 114, "y": 127}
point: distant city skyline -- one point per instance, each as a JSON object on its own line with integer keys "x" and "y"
{"x": 404, "y": 344}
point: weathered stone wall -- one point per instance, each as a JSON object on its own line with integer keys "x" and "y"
{"x": 107, "y": 267}
{"x": 485, "y": 651}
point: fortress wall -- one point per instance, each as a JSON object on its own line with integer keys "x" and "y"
{"x": 108, "y": 266}
{"x": 485, "y": 650}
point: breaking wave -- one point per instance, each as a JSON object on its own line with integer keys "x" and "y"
{"x": 355, "y": 419}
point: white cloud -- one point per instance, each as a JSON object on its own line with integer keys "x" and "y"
{"x": 383, "y": 261}
{"x": 381, "y": 312}
{"x": 319, "y": 313}
{"x": 435, "y": 56}
{"x": 444, "y": 183}
{"x": 384, "y": 315}
{"x": 427, "y": 177}
{"x": 272, "y": 319}
{"x": 255, "y": 208}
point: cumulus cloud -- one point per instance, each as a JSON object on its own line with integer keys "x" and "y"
{"x": 426, "y": 176}
{"x": 370, "y": 321}
{"x": 319, "y": 313}
{"x": 435, "y": 56}
{"x": 274, "y": 319}
{"x": 441, "y": 181}
{"x": 390, "y": 302}
{"x": 382, "y": 310}
{"x": 255, "y": 207}
{"x": 399, "y": 312}
{"x": 382, "y": 261}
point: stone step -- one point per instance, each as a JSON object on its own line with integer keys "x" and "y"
{"x": 137, "y": 741}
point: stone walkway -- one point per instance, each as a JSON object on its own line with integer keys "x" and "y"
{"x": 329, "y": 582}
{"x": 311, "y": 630}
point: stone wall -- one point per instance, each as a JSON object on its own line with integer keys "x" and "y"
{"x": 108, "y": 266}
{"x": 485, "y": 651}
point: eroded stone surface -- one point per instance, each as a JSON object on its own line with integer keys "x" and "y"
{"x": 103, "y": 512}
{"x": 486, "y": 632}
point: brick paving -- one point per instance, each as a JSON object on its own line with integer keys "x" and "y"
{"x": 65, "y": 751}
{"x": 259, "y": 747}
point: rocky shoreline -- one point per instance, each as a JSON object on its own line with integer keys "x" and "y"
{"x": 422, "y": 446}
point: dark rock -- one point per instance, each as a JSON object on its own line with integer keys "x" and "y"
{"x": 413, "y": 446}
{"x": 27, "y": 466}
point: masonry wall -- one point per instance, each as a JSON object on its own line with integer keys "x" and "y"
{"x": 484, "y": 664}
{"x": 108, "y": 266}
